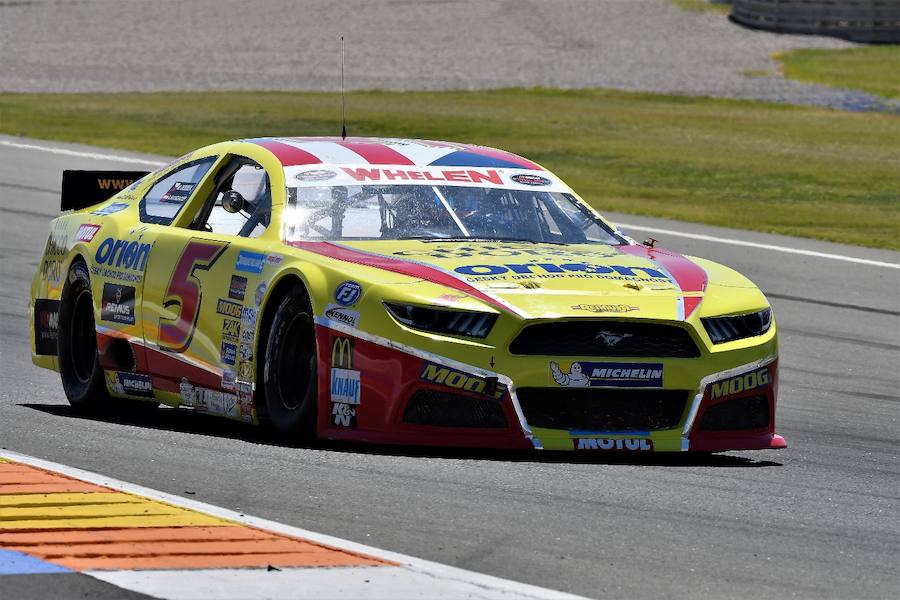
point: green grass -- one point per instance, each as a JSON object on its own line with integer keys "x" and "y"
{"x": 701, "y": 5}
{"x": 875, "y": 69}
{"x": 786, "y": 169}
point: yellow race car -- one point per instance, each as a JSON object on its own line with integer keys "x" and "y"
{"x": 396, "y": 291}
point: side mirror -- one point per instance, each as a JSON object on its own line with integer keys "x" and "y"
{"x": 233, "y": 202}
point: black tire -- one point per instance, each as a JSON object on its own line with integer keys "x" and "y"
{"x": 289, "y": 370}
{"x": 79, "y": 363}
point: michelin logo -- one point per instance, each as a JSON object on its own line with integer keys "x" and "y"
{"x": 574, "y": 378}
{"x": 595, "y": 374}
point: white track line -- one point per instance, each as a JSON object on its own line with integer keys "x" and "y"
{"x": 693, "y": 236}
{"x": 95, "y": 155}
{"x": 430, "y": 579}
{"x": 710, "y": 238}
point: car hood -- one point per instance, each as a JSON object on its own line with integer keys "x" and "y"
{"x": 539, "y": 279}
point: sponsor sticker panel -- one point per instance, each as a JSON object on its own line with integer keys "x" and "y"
{"x": 122, "y": 260}
{"x": 117, "y": 304}
{"x": 342, "y": 315}
{"x": 460, "y": 380}
{"x": 229, "y": 353}
{"x": 250, "y": 262}
{"x": 179, "y": 192}
{"x": 347, "y": 293}
{"x": 132, "y": 384}
{"x": 228, "y": 308}
{"x": 46, "y": 326}
{"x": 237, "y": 289}
{"x": 739, "y": 384}
{"x": 231, "y": 330}
{"x": 86, "y": 232}
{"x": 617, "y": 444}
{"x": 607, "y": 374}
{"x": 111, "y": 209}
{"x": 345, "y": 392}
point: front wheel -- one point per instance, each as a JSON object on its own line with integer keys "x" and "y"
{"x": 289, "y": 372}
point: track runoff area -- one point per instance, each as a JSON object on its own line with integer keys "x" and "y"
{"x": 56, "y": 519}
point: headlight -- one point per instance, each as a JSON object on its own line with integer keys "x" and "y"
{"x": 737, "y": 327}
{"x": 452, "y": 322}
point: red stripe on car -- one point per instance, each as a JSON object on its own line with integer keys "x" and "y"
{"x": 689, "y": 276}
{"x": 289, "y": 156}
{"x": 394, "y": 265}
{"x": 377, "y": 154}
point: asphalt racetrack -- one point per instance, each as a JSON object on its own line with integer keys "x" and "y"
{"x": 819, "y": 519}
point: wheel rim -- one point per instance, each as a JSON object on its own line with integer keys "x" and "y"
{"x": 83, "y": 337}
{"x": 294, "y": 363}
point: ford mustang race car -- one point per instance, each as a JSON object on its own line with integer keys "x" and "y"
{"x": 396, "y": 291}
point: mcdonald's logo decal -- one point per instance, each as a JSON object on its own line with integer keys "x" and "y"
{"x": 342, "y": 353}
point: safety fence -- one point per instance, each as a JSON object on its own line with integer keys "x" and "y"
{"x": 873, "y": 21}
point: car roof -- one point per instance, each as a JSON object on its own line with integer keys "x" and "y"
{"x": 293, "y": 151}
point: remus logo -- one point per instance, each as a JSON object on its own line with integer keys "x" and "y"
{"x": 123, "y": 253}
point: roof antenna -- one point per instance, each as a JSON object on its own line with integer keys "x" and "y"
{"x": 343, "y": 104}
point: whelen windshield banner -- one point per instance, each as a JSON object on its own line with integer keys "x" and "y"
{"x": 328, "y": 175}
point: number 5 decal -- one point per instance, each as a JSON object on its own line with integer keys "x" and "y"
{"x": 183, "y": 295}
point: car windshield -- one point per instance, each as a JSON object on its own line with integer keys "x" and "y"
{"x": 398, "y": 212}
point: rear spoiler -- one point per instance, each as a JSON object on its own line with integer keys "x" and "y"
{"x": 81, "y": 189}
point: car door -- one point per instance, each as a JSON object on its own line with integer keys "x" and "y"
{"x": 200, "y": 313}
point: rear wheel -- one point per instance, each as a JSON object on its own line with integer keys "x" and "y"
{"x": 79, "y": 363}
{"x": 289, "y": 371}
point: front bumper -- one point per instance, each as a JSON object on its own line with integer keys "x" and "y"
{"x": 407, "y": 395}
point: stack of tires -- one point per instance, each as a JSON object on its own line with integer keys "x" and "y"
{"x": 870, "y": 21}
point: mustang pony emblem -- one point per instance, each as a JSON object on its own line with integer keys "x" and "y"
{"x": 611, "y": 339}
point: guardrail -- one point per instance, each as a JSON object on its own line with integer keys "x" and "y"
{"x": 873, "y": 21}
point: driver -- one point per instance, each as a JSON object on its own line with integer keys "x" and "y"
{"x": 417, "y": 211}
{"x": 473, "y": 207}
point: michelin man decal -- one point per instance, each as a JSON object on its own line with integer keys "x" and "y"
{"x": 574, "y": 378}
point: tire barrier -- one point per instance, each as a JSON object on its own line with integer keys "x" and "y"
{"x": 870, "y": 21}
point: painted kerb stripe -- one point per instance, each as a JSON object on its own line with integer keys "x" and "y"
{"x": 390, "y": 570}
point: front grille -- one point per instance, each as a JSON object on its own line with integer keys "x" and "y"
{"x": 605, "y": 338}
{"x": 446, "y": 409}
{"x": 751, "y": 412}
{"x": 603, "y": 410}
